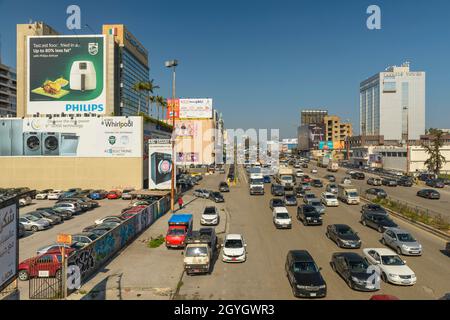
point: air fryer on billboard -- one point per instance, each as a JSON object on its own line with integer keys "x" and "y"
{"x": 83, "y": 76}
{"x": 161, "y": 167}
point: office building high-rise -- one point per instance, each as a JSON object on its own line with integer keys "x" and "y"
{"x": 392, "y": 104}
{"x": 8, "y": 92}
{"x": 312, "y": 116}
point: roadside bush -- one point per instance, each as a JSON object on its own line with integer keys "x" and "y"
{"x": 156, "y": 242}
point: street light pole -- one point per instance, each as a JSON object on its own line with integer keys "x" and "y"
{"x": 173, "y": 64}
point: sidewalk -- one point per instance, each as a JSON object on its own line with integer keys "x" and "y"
{"x": 142, "y": 273}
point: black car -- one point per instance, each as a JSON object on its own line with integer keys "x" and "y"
{"x": 330, "y": 178}
{"x": 304, "y": 165}
{"x": 276, "y": 202}
{"x": 377, "y": 221}
{"x": 309, "y": 216}
{"x": 358, "y": 176}
{"x": 216, "y": 197}
{"x": 223, "y": 187}
{"x": 65, "y": 215}
{"x": 299, "y": 192}
{"x": 379, "y": 193}
{"x": 317, "y": 183}
{"x": 435, "y": 183}
{"x": 343, "y": 236}
{"x": 429, "y": 194}
{"x": 389, "y": 182}
{"x": 304, "y": 275}
{"x": 354, "y": 269}
{"x": 105, "y": 226}
{"x": 405, "y": 182}
{"x": 426, "y": 176}
{"x": 373, "y": 208}
{"x": 277, "y": 190}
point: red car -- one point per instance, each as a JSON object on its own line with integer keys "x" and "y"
{"x": 47, "y": 264}
{"x": 383, "y": 297}
{"x": 115, "y": 194}
{"x": 306, "y": 178}
{"x": 132, "y": 212}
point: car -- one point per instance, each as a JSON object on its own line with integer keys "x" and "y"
{"x": 401, "y": 241}
{"x": 405, "y": 182}
{"x": 374, "y": 181}
{"x": 267, "y": 179}
{"x": 316, "y": 183}
{"x": 317, "y": 204}
{"x": 383, "y": 297}
{"x": 297, "y": 165}
{"x": 332, "y": 188}
{"x": 429, "y": 194}
{"x": 373, "y": 208}
{"x": 109, "y": 219}
{"x": 234, "y": 248}
{"x": 299, "y": 173}
{"x": 57, "y": 248}
{"x": 346, "y": 180}
{"x": 378, "y": 192}
{"x": 109, "y": 225}
{"x": 304, "y": 275}
{"x": 276, "y": 202}
{"x": 114, "y": 194}
{"x": 358, "y": 176}
{"x": 389, "y": 182}
{"x": 308, "y": 215}
{"x": 306, "y": 186}
{"x": 329, "y": 199}
{"x": 277, "y": 190}
{"x": 54, "y": 195}
{"x": 299, "y": 191}
{"x": 343, "y": 236}
{"x": 391, "y": 267}
{"x": 128, "y": 195}
{"x": 223, "y": 187}
{"x": 33, "y": 223}
{"x": 314, "y": 170}
{"x": 22, "y": 232}
{"x": 290, "y": 200}
{"x": 25, "y": 201}
{"x": 85, "y": 204}
{"x": 70, "y": 193}
{"x": 98, "y": 195}
{"x": 84, "y": 238}
{"x": 43, "y": 194}
{"x": 210, "y": 216}
{"x": 51, "y": 218}
{"x": 73, "y": 207}
{"x": 65, "y": 215}
{"x": 305, "y": 166}
{"x": 379, "y": 222}
{"x": 355, "y": 270}
{"x": 201, "y": 193}
{"x": 281, "y": 218}
{"x": 306, "y": 178}
{"x": 350, "y": 172}
{"x": 216, "y": 197}
{"x": 48, "y": 264}
{"x": 330, "y": 178}
{"x": 309, "y": 196}
{"x": 435, "y": 183}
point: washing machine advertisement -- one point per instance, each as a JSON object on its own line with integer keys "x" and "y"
{"x": 66, "y": 74}
{"x": 160, "y": 164}
{"x": 71, "y": 137}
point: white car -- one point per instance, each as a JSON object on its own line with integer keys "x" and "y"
{"x": 55, "y": 195}
{"x": 210, "y": 217}
{"x": 299, "y": 173}
{"x": 329, "y": 199}
{"x": 314, "y": 171}
{"x": 234, "y": 248}
{"x": 25, "y": 201}
{"x": 392, "y": 268}
{"x": 43, "y": 194}
{"x": 281, "y": 218}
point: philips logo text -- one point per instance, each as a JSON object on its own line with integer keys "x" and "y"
{"x": 85, "y": 107}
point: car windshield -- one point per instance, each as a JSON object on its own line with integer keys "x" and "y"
{"x": 358, "y": 266}
{"x": 257, "y": 181}
{"x": 196, "y": 252}
{"x": 315, "y": 203}
{"x": 305, "y": 267}
{"x": 392, "y": 261}
{"x": 310, "y": 196}
{"x": 282, "y": 215}
{"x": 176, "y": 232}
{"x": 353, "y": 194}
{"x": 405, "y": 237}
{"x": 233, "y": 244}
{"x": 223, "y": 184}
{"x": 286, "y": 178}
{"x": 309, "y": 210}
{"x": 330, "y": 196}
{"x": 345, "y": 231}
{"x": 290, "y": 198}
{"x": 216, "y": 194}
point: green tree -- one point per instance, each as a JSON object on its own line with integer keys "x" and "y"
{"x": 161, "y": 103}
{"x": 436, "y": 160}
{"x": 146, "y": 87}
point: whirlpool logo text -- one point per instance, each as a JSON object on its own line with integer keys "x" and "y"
{"x": 118, "y": 124}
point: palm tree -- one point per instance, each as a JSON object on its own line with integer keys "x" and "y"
{"x": 144, "y": 86}
{"x": 436, "y": 160}
{"x": 161, "y": 102}
{"x": 152, "y": 100}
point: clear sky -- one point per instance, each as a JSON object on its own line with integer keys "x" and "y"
{"x": 263, "y": 61}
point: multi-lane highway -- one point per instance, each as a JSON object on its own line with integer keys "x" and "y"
{"x": 263, "y": 276}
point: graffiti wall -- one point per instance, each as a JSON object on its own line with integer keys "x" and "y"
{"x": 91, "y": 258}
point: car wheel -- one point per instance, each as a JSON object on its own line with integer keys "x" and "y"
{"x": 383, "y": 277}
{"x": 328, "y": 235}
{"x": 399, "y": 251}
{"x": 380, "y": 229}
{"x": 364, "y": 223}
{"x": 34, "y": 229}
{"x": 349, "y": 283}
{"x": 383, "y": 241}
{"x": 333, "y": 266}
{"x": 23, "y": 275}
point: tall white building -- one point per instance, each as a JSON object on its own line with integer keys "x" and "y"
{"x": 392, "y": 104}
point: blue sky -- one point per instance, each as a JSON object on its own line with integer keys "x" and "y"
{"x": 263, "y": 61}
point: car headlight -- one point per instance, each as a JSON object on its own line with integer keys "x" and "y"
{"x": 301, "y": 287}
{"x": 322, "y": 286}
{"x": 404, "y": 246}
{"x": 393, "y": 275}
{"x": 308, "y": 218}
{"x": 357, "y": 280}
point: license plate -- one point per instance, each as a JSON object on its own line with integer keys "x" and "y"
{"x": 313, "y": 294}
{"x": 370, "y": 287}
{"x": 416, "y": 252}
{"x": 406, "y": 282}
{"x": 233, "y": 259}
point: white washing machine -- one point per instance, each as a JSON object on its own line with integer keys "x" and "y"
{"x": 69, "y": 144}
{"x": 32, "y": 143}
{"x": 50, "y": 143}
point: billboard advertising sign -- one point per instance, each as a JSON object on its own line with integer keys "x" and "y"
{"x": 326, "y": 145}
{"x": 66, "y": 137}
{"x": 173, "y": 105}
{"x": 9, "y": 244}
{"x": 66, "y": 74}
{"x": 339, "y": 145}
{"x": 186, "y": 129}
{"x": 316, "y": 134}
{"x": 191, "y": 157}
{"x": 160, "y": 164}
{"x": 190, "y": 109}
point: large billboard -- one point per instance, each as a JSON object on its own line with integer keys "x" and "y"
{"x": 9, "y": 244}
{"x": 316, "y": 134}
{"x": 66, "y": 74}
{"x": 160, "y": 164}
{"x": 71, "y": 137}
{"x": 190, "y": 109}
{"x": 326, "y": 145}
{"x": 186, "y": 129}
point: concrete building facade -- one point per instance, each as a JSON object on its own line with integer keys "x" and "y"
{"x": 7, "y": 91}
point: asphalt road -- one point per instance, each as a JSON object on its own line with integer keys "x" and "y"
{"x": 262, "y": 276}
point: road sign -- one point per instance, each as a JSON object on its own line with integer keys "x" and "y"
{"x": 64, "y": 238}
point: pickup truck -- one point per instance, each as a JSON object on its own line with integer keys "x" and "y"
{"x": 180, "y": 226}
{"x": 348, "y": 194}
{"x": 200, "y": 251}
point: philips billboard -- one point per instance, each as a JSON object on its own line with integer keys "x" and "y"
{"x": 66, "y": 74}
